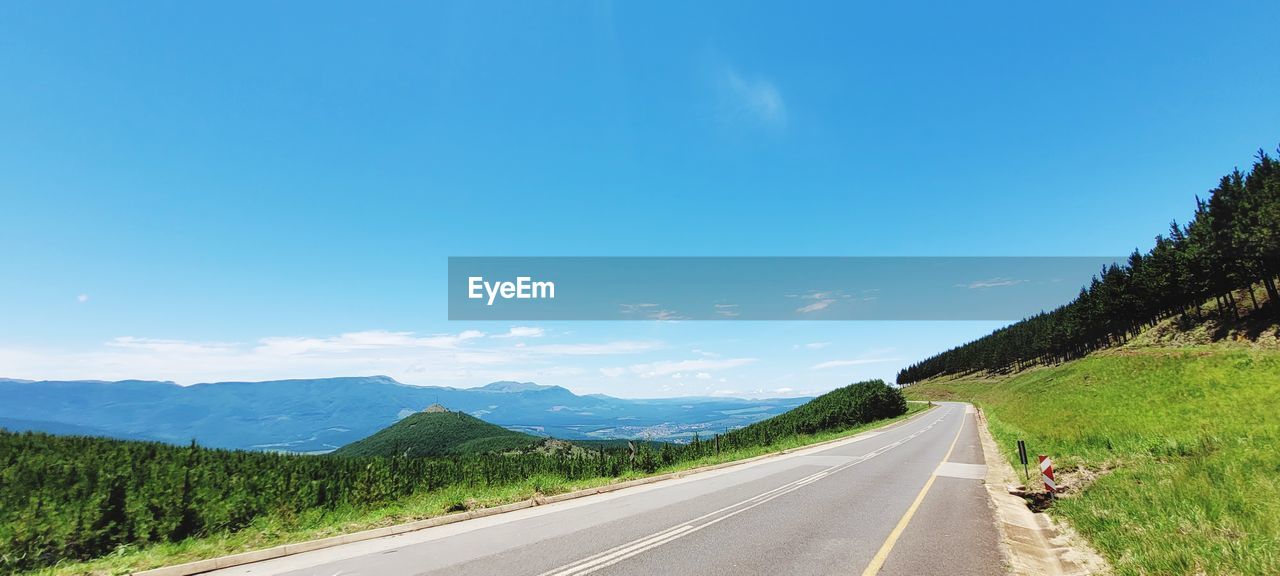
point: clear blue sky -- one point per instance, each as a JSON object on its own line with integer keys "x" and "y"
{"x": 194, "y": 193}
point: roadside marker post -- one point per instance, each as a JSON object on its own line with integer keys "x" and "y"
{"x": 1046, "y": 474}
{"x": 1022, "y": 456}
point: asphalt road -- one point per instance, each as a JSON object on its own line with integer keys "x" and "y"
{"x": 905, "y": 500}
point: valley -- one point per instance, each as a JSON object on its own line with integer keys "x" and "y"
{"x": 321, "y": 415}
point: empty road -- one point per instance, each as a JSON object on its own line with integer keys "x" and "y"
{"x": 905, "y": 500}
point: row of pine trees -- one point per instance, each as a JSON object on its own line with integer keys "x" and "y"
{"x": 1232, "y": 244}
{"x": 67, "y": 498}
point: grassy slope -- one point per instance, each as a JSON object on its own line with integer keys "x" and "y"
{"x": 1186, "y": 440}
{"x": 271, "y": 531}
{"x": 437, "y": 434}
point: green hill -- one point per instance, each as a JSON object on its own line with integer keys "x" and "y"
{"x": 1169, "y": 454}
{"x": 838, "y": 409}
{"x": 438, "y": 433}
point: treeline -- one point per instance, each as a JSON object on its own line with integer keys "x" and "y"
{"x": 841, "y": 408}
{"x": 77, "y": 498}
{"x": 1231, "y": 243}
{"x": 838, "y": 409}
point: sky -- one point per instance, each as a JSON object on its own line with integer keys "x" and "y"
{"x": 253, "y": 191}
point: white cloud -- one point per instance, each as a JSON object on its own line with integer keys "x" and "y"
{"x": 366, "y": 340}
{"x": 522, "y": 332}
{"x": 990, "y": 283}
{"x": 703, "y": 376}
{"x": 586, "y": 349}
{"x": 82, "y": 298}
{"x": 816, "y": 306}
{"x": 811, "y": 345}
{"x": 464, "y": 358}
{"x": 822, "y": 300}
{"x": 855, "y": 362}
{"x": 613, "y": 372}
{"x": 633, "y": 308}
{"x": 170, "y": 346}
{"x": 727, "y": 310}
{"x": 651, "y": 369}
{"x": 755, "y": 98}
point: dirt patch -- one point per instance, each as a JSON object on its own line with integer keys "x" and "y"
{"x": 1033, "y": 543}
{"x": 1071, "y": 482}
{"x": 1247, "y": 327}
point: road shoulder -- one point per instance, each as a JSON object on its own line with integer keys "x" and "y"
{"x": 1033, "y": 544}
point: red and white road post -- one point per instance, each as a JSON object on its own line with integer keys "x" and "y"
{"x": 1046, "y": 474}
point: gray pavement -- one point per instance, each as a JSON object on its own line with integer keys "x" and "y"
{"x": 826, "y": 510}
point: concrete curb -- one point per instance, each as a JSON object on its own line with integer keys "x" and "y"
{"x": 1033, "y": 544}
{"x": 200, "y": 566}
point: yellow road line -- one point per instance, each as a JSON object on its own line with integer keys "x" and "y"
{"x": 877, "y": 562}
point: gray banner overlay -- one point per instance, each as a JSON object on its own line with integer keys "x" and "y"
{"x": 764, "y": 288}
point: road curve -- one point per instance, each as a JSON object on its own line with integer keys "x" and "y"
{"x": 904, "y": 500}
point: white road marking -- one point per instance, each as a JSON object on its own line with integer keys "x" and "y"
{"x": 958, "y": 470}
{"x": 622, "y": 552}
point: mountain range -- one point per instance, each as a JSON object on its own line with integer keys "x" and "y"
{"x": 319, "y": 415}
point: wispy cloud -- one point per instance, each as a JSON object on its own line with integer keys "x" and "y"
{"x": 522, "y": 332}
{"x": 665, "y": 368}
{"x": 159, "y": 345}
{"x": 613, "y": 372}
{"x": 854, "y": 362}
{"x": 816, "y": 306}
{"x": 822, "y": 299}
{"x": 727, "y": 310}
{"x": 595, "y": 349}
{"x": 757, "y": 99}
{"x": 665, "y": 315}
{"x": 811, "y": 345}
{"x": 366, "y": 340}
{"x": 465, "y": 358}
{"x": 990, "y": 283}
{"x": 650, "y": 311}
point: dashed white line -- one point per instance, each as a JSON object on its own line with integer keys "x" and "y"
{"x": 640, "y": 545}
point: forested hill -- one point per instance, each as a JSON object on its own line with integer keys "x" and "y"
{"x": 840, "y": 408}
{"x": 437, "y": 433}
{"x": 1232, "y": 243}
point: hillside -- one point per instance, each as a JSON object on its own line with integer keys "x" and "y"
{"x": 838, "y": 409}
{"x": 319, "y": 415}
{"x": 437, "y": 433}
{"x": 1226, "y": 253}
{"x": 1168, "y": 453}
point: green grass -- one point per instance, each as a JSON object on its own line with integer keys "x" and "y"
{"x": 1183, "y": 443}
{"x": 281, "y": 529}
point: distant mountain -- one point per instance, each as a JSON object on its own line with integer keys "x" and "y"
{"x": 508, "y": 386}
{"x": 17, "y": 425}
{"x": 322, "y": 414}
{"x": 436, "y": 433}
